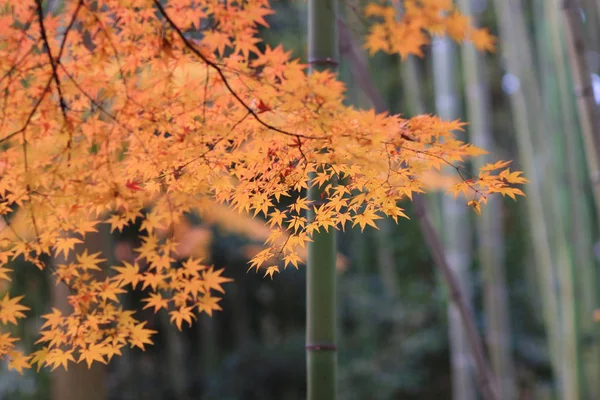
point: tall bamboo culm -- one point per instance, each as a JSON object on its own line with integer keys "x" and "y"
{"x": 589, "y": 116}
{"x": 489, "y": 225}
{"x": 579, "y": 208}
{"x": 456, "y": 230}
{"x": 554, "y": 269}
{"x": 321, "y": 352}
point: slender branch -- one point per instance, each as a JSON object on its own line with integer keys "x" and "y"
{"x": 589, "y": 114}
{"x": 219, "y": 71}
{"x": 486, "y": 377}
{"x": 53, "y": 62}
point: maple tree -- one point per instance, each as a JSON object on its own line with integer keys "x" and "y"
{"x": 117, "y": 111}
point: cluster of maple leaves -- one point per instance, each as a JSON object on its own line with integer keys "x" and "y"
{"x": 112, "y": 107}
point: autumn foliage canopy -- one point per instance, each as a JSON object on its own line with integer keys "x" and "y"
{"x": 122, "y": 111}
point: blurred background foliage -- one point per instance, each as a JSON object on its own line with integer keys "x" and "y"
{"x": 394, "y": 321}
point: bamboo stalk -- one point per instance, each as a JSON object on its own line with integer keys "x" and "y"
{"x": 560, "y": 320}
{"x": 486, "y": 378}
{"x": 565, "y": 273}
{"x": 321, "y": 353}
{"x": 589, "y": 116}
{"x": 578, "y": 212}
{"x": 489, "y": 225}
{"x": 455, "y": 229}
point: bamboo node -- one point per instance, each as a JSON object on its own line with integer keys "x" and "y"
{"x": 323, "y": 61}
{"x": 321, "y": 347}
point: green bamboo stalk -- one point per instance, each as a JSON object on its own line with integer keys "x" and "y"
{"x": 565, "y": 272}
{"x": 413, "y": 93}
{"x": 589, "y": 116}
{"x": 321, "y": 352}
{"x": 578, "y": 211}
{"x": 456, "y": 231}
{"x": 489, "y": 225}
{"x": 592, "y": 22}
{"x": 558, "y": 308}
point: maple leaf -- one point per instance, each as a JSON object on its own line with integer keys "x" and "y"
{"x": 182, "y": 314}
{"x": 11, "y": 310}
{"x": 365, "y": 218}
{"x": 89, "y": 261}
{"x": 152, "y": 280}
{"x": 109, "y": 290}
{"x": 483, "y": 40}
{"x": 276, "y": 218}
{"x": 475, "y": 205}
{"x": 457, "y": 26}
{"x": 40, "y": 357}
{"x": 111, "y": 350}
{"x": 213, "y": 279}
{"x": 4, "y": 274}
{"x": 53, "y": 319}
{"x": 271, "y": 270}
{"x": 133, "y": 185}
{"x": 91, "y": 353}
{"x": 291, "y": 259}
{"x": 157, "y": 301}
{"x": 65, "y": 245}
{"x": 6, "y": 342}
{"x": 18, "y": 361}
{"x": 209, "y": 303}
{"x": 140, "y": 336}
{"x": 57, "y": 357}
{"x": 129, "y": 274}
{"x": 262, "y": 107}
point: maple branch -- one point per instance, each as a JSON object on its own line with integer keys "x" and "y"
{"x": 53, "y": 62}
{"x": 486, "y": 376}
{"x": 432, "y": 239}
{"x": 219, "y": 70}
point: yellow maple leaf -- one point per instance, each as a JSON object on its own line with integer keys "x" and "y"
{"x": 365, "y": 218}
{"x": 139, "y": 336}
{"x": 11, "y": 310}
{"x": 65, "y": 245}
{"x": 89, "y": 261}
{"x": 18, "y": 361}
{"x": 483, "y": 40}
{"x": 271, "y": 270}
{"x": 157, "y": 301}
{"x": 129, "y": 274}
{"x": 91, "y": 353}
{"x": 213, "y": 279}
{"x": 182, "y": 314}
{"x": 209, "y": 303}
